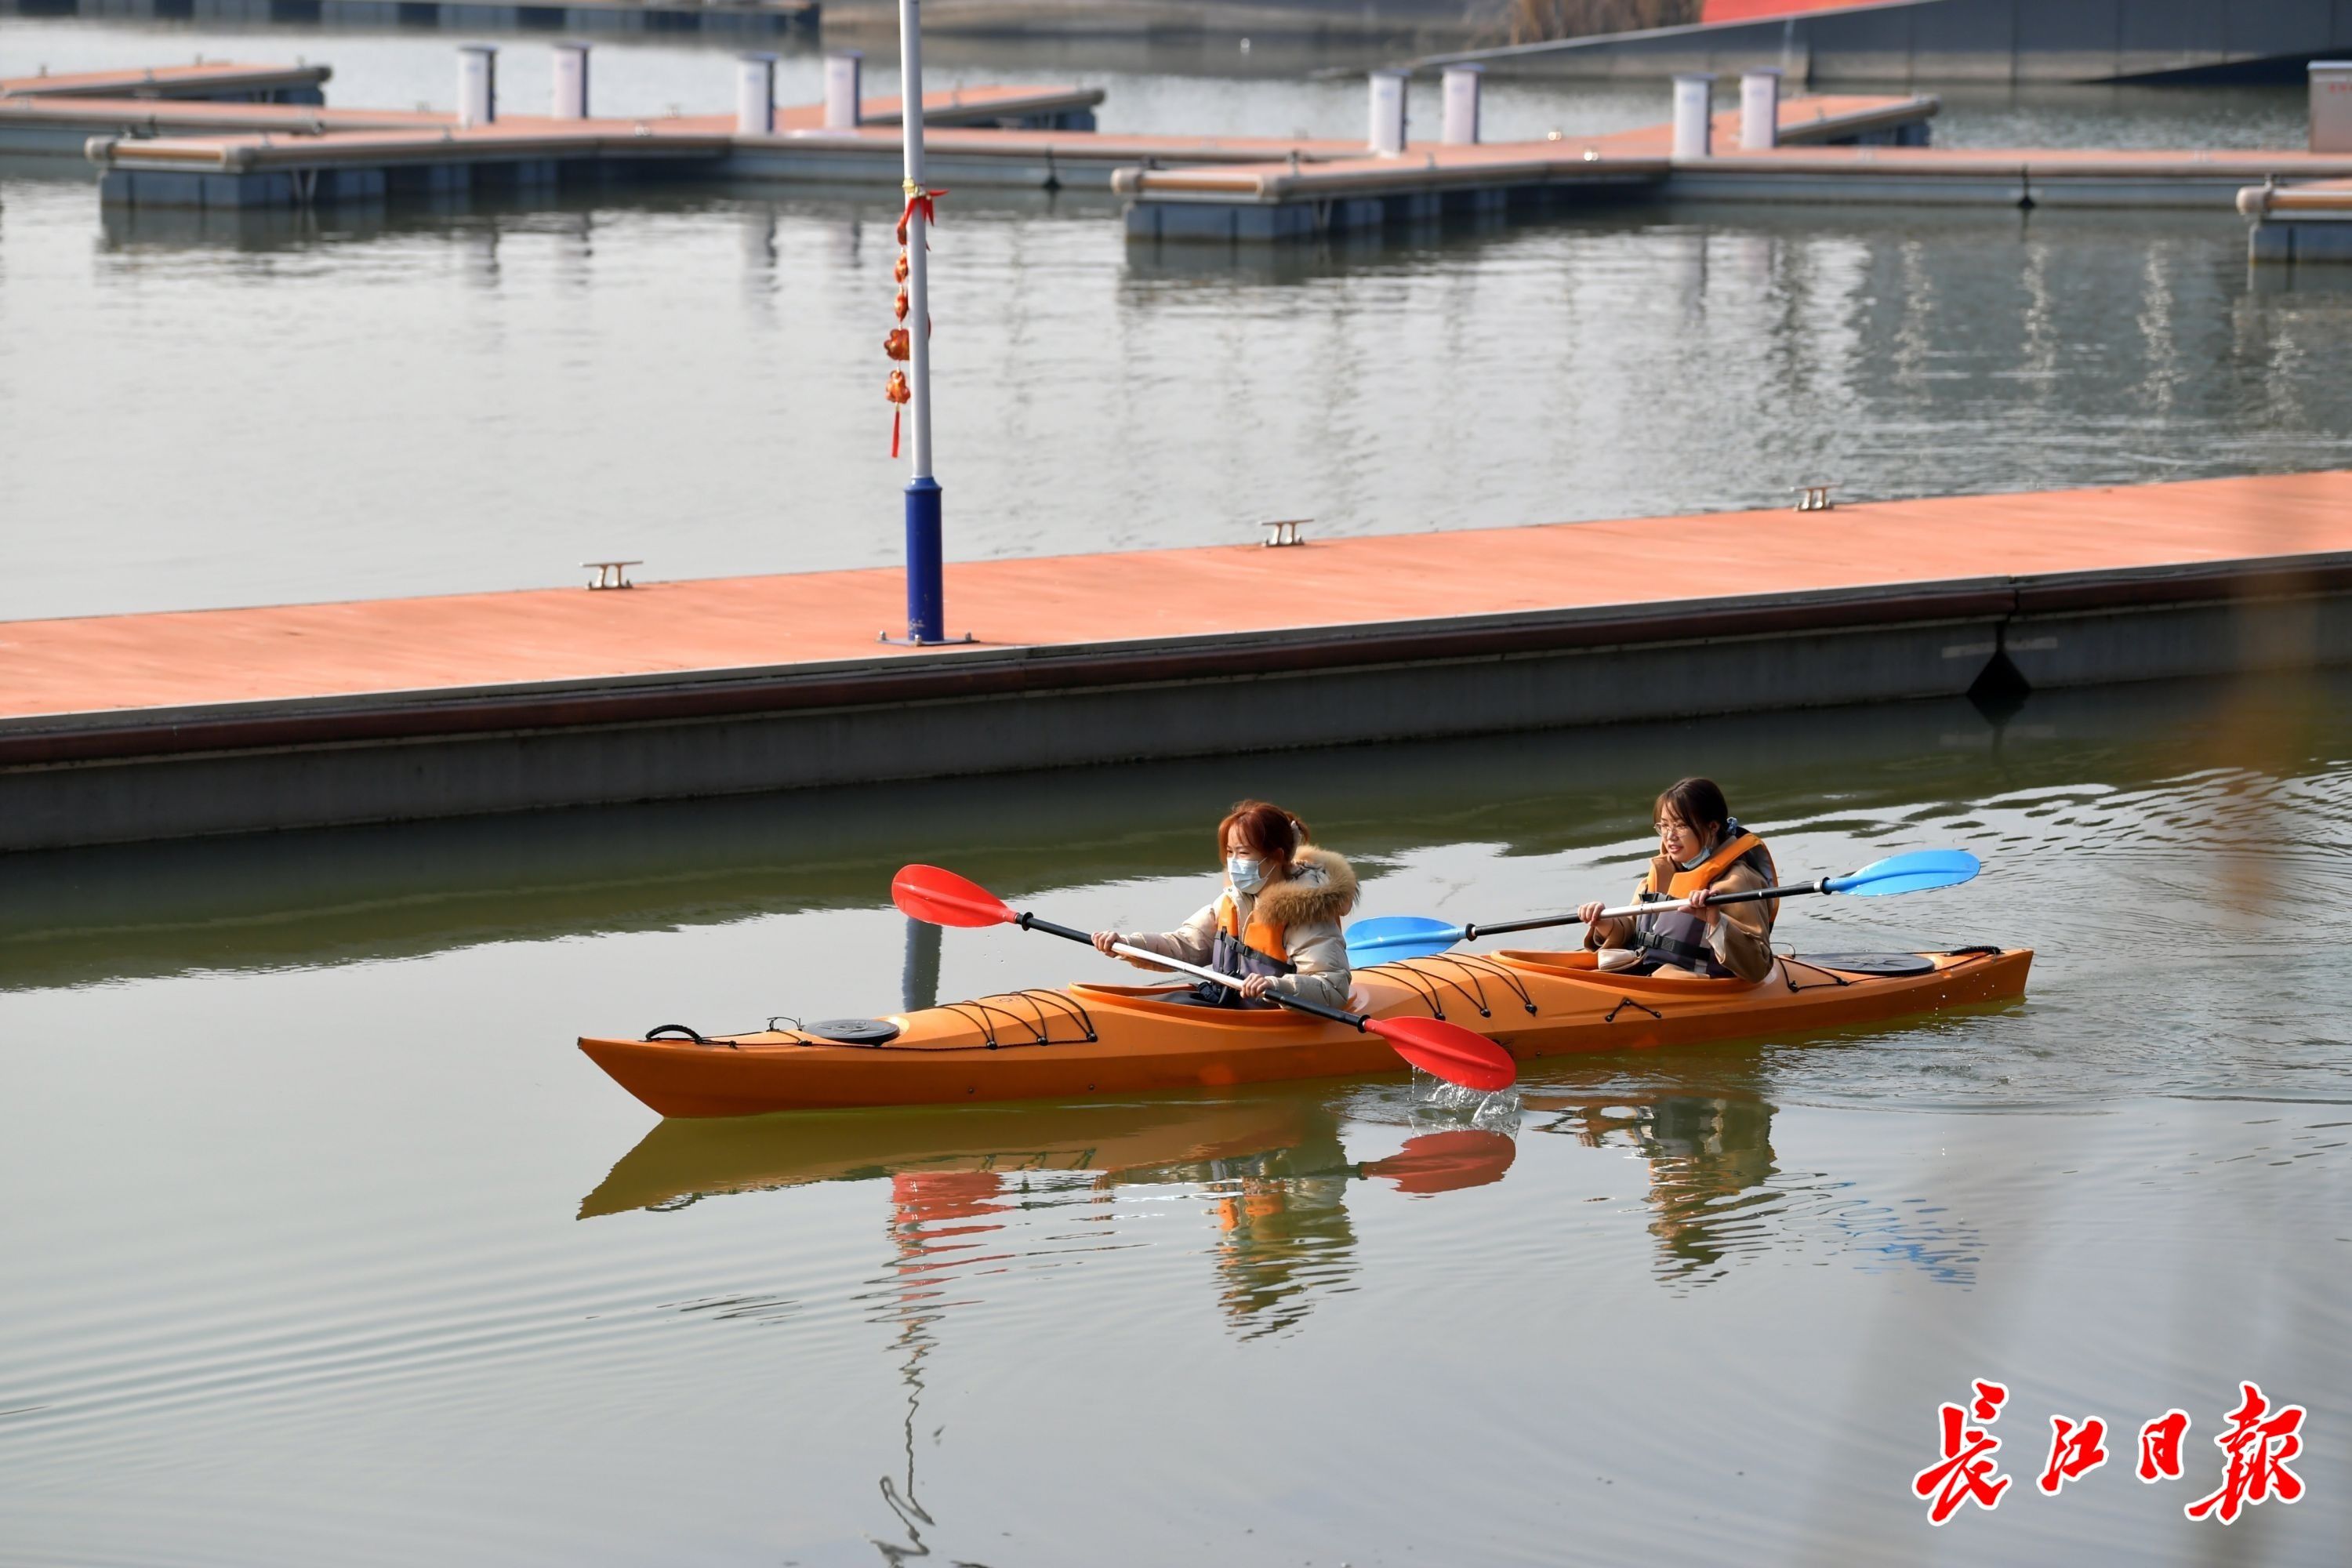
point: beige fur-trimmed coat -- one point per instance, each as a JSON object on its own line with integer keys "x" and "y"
{"x": 1309, "y": 904}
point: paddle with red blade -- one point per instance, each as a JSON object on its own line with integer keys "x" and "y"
{"x": 1446, "y": 1050}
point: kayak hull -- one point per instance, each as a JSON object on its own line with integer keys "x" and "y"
{"x": 1106, "y": 1040}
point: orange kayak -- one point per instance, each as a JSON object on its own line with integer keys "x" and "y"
{"x": 1130, "y": 1039}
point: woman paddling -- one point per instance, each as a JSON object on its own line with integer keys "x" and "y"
{"x": 1276, "y": 926}
{"x": 1703, "y": 851}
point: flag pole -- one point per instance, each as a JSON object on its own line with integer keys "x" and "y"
{"x": 926, "y": 596}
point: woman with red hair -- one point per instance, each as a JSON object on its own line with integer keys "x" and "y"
{"x": 1275, "y": 926}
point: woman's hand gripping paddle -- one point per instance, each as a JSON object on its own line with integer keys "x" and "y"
{"x": 1447, "y": 1050}
{"x": 1391, "y": 937}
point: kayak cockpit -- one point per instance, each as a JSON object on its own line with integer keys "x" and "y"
{"x": 1159, "y": 1002}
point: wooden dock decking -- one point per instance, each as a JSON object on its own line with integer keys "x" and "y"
{"x": 1280, "y": 201}
{"x": 178, "y": 662}
{"x": 156, "y": 725}
{"x": 64, "y": 124}
{"x": 219, "y": 81}
{"x": 322, "y": 163}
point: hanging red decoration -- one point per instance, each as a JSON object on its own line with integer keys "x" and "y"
{"x": 919, "y": 202}
{"x": 898, "y": 345}
{"x": 897, "y": 392}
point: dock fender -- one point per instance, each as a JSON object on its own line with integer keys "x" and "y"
{"x": 99, "y": 150}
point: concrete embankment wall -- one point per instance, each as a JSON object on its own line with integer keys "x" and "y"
{"x": 227, "y": 767}
{"x": 1931, "y": 41}
{"x": 745, "y": 20}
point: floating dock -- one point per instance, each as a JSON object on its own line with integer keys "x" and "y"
{"x": 210, "y": 81}
{"x": 65, "y": 124}
{"x": 153, "y": 726}
{"x": 1274, "y": 201}
{"x": 174, "y": 151}
{"x": 260, "y": 157}
{"x": 1033, "y": 138}
{"x": 2299, "y": 223}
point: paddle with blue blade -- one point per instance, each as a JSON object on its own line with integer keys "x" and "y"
{"x": 1391, "y": 937}
{"x": 1436, "y": 1047}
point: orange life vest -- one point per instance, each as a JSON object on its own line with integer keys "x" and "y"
{"x": 1260, "y": 936}
{"x": 1734, "y": 848}
{"x": 1680, "y": 937}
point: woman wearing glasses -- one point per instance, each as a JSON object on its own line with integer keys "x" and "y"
{"x": 1703, "y": 852}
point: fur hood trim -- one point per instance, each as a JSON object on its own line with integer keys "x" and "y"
{"x": 1320, "y": 886}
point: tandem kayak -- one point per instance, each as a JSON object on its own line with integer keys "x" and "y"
{"x": 1087, "y": 1039}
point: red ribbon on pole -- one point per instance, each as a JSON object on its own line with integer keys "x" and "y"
{"x": 919, "y": 202}
{"x": 897, "y": 392}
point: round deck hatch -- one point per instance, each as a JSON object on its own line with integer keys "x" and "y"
{"x": 852, "y": 1031}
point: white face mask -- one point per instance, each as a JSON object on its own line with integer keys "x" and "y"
{"x": 1245, "y": 873}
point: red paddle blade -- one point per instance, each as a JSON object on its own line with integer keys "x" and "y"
{"x": 944, "y": 899}
{"x": 1450, "y": 1051}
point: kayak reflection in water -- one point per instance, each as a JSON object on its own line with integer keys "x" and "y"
{"x": 1702, "y": 851}
{"x": 1276, "y": 926}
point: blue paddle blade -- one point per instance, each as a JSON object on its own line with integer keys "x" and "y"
{"x": 1391, "y": 937}
{"x": 1913, "y": 873}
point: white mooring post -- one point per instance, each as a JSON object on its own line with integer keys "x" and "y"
{"x": 844, "y": 90}
{"x": 570, "y": 81}
{"x": 1462, "y": 104}
{"x": 478, "y": 84}
{"x": 755, "y": 94}
{"x": 1760, "y": 108}
{"x": 1694, "y": 115}
{"x": 1388, "y": 111}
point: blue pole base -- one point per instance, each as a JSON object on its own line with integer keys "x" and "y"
{"x": 926, "y": 594}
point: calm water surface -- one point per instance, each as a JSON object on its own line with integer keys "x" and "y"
{"x": 202, "y": 411}
{"x": 325, "y": 1244}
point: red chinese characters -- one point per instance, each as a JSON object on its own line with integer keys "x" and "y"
{"x": 1967, "y": 1470}
{"x": 2075, "y": 1452}
{"x": 2256, "y": 1446}
{"x": 2160, "y": 1446}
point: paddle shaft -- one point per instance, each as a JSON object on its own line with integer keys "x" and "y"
{"x": 1298, "y": 1004}
{"x": 1715, "y": 901}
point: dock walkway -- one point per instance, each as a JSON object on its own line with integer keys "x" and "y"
{"x": 147, "y": 726}
{"x": 214, "y": 81}
{"x": 1274, "y": 201}
{"x": 64, "y": 124}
